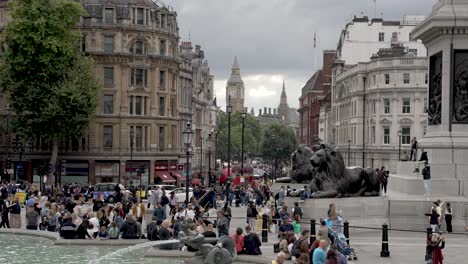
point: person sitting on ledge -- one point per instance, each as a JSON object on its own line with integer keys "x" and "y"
{"x": 129, "y": 228}
{"x": 68, "y": 230}
{"x": 252, "y": 242}
{"x": 103, "y": 234}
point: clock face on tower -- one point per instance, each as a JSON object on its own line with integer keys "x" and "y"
{"x": 232, "y": 93}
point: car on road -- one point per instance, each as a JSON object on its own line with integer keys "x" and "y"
{"x": 180, "y": 194}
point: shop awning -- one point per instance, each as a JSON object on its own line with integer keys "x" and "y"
{"x": 165, "y": 176}
{"x": 178, "y": 176}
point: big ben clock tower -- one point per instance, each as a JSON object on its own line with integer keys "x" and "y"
{"x": 235, "y": 89}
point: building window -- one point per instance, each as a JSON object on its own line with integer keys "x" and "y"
{"x": 405, "y": 135}
{"x": 381, "y": 36}
{"x": 138, "y": 48}
{"x": 138, "y": 136}
{"x": 426, "y": 78}
{"x": 139, "y": 77}
{"x": 414, "y": 51}
{"x": 131, "y": 104}
{"x": 161, "y": 106}
{"x": 387, "y": 78}
{"x": 163, "y": 20}
{"x": 406, "y": 109}
{"x": 145, "y": 106}
{"x": 161, "y": 138}
{"x": 162, "y": 80}
{"x": 410, "y": 37}
{"x": 108, "y": 104}
{"x": 173, "y": 107}
{"x": 394, "y": 36}
{"x": 373, "y": 135}
{"x": 406, "y": 78}
{"x": 108, "y": 76}
{"x": 109, "y": 16}
{"x": 174, "y": 136}
{"x": 107, "y": 137}
{"x": 162, "y": 48}
{"x": 374, "y": 79}
{"x": 138, "y": 105}
{"x": 386, "y": 105}
{"x": 108, "y": 44}
{"x": 140, "y": 16}
{"x": 386, "y": 135}
{"x": 374, "y": 103}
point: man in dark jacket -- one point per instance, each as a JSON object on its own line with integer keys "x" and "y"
{"x": 129, "y": 228}
{"x": 68, "y": 230}
{"x": 152, "y": 229}
{"x": 222, "y": 223}
{"x": 426, "y": 172}
{"x": 252, "y": 242}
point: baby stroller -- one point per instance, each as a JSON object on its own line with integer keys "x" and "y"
{"x": 344, "y": 248}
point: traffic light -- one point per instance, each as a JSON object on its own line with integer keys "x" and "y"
{"x": 8, "y": 164}
{"x": 142, "y": 169}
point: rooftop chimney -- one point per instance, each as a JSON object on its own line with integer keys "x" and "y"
{"x": 264, "y": 110}
{"x": 260, "y": 112}
{"x": 269, "y": 110}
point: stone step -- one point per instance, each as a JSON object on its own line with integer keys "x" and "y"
{"x": 412, "y": 185}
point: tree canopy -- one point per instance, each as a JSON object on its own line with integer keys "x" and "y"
{"x": 252, "y": 136}
{"x": 278, "y": 142}
{"x": 52, "y": 88}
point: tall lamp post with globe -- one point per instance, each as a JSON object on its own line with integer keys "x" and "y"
{"x": 243, "y": 116}
{"x": 188, "y": 138}
{"x": 228, "y": 180}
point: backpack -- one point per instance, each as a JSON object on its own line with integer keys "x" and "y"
{"x": 153, "y": 232}
{"x": 296, "y": 248}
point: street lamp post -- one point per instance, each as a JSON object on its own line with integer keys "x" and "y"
{"x": 399, "y": 133}
{"x": 132, "y": 134}
{"x": 349, "y": 152}
{"x": 188, "y": 137}
{"x": 229, "y": 111}
{"x": 201, "y": 156}
{"x": 209, "y": 142}
{"x": 243, "y": 116}
{"x": 216, "y": 131}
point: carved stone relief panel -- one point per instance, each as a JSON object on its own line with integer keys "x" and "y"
{"x": 434, "y": 111}
{"x": 460, "y": 87}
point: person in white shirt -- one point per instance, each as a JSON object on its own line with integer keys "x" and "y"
{"x": 189, "y": 213}
{"x": 219, "y": 203}
{"x": 94, "y": 222}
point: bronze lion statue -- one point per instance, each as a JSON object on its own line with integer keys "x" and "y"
{"x": 301, "y": 167}
{"x": 331, "y": 178}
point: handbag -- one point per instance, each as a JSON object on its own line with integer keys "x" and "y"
{"x": 276, "y": 248}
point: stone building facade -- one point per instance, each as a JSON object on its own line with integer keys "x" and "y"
{"x": 313, "y": 95}
{"x": 378, "y": 63}
{"x": 138, "y": 120}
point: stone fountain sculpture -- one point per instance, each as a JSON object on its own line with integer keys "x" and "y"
{"x": 324, "y": 170}
{"x": 210, "y": 250}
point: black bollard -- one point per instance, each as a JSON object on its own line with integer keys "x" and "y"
{"x": 428, "y": 255}
{"x": 385, "y": 253}
{"x": 346, "y": 231}
{"x": 265, "y": 229}
{"x": 312, "y": 231}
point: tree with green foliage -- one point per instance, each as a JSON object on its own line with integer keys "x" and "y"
{"x": 279, "y": 141}
{"x": 52, "y": 88}
{"x": 252, "y": 136}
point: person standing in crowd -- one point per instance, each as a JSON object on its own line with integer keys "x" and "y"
{"x": 238, "y": 240}
{"x": 129, "y": 229}
{"x": 32, "y": 218}
{"x": 434, "y": 219}
{"x": 68, "y": 230}
{"x": 331, "y": 257}
{"x": 297, "y": 226}
{"x": 4, "y": 210}
{"x": 15, "y": 214}
{"x": 301, "y": 245}
{"x": 297, "y": 210}
{"x": 426, "y": 172}
{"x": 414, "y": 149}
{"x": 281, "y": 195}
{"x": 319, "y": 255}
{"x": 139, "y": 210}
{"x": 383, "y": 177}
{"x": 252, "y": 242}
{"x": 434, "y": 248}
{"x": 222, "y": 224}
{"x": 251, "y": 213}
{"x": 448, "y": 217}
{"x": 286, "y": 228}
{"x": 160, "y": 213}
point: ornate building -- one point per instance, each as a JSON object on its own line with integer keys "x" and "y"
{"x": 378, "y": 88}
{"x": 135, "y": 48}
{"x": 235, "y": 89}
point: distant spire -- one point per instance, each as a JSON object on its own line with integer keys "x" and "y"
{"x": 236, "y": 64}
{"x": 283, "y": 93}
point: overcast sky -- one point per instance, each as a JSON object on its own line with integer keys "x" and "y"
{"x": 273, "y": 39}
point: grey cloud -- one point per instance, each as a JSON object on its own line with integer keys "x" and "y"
{"x": 276, "y": 36}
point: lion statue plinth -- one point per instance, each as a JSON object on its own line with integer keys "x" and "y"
{"x": 331, "y": 178}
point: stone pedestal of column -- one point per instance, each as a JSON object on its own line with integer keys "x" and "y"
{"x": 445, "y": 34}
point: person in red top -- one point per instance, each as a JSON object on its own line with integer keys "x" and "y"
{"x": 239, "y": 240}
